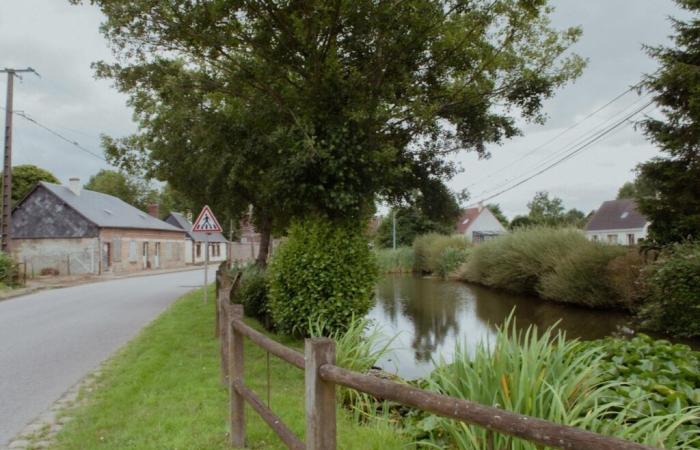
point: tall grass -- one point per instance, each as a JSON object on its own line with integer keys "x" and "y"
{"x": 546, "y": 376}
{"x": 429, "y": 250}
{"x": 400, "y": 260}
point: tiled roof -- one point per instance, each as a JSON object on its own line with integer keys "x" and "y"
{"x": 107, "y": 211}
{"x": 617, "y": 215}
{"x": 467, "y": 217}
{"x": 180, "y": 221}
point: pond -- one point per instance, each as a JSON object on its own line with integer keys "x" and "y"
{"x": 430, "y": 317}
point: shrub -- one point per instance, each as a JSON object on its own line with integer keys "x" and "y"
{"x": 625, "y": 275}
{"x": 323, "y": 272}
{"x": 582, "y": 277}
{"x": 8, "y": 269}
{"x": 516, "y": 261}
{"x": 450, "y": 260}
{"x": 672, "y": 303}
{"x": 252, "y": 292}
{"x": 400, "y": 260}
{"x": 428, "y": 250}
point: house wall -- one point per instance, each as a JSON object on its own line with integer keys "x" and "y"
{"x": 484, "y": 222}
{"x": 43, "y": 215}
{"x": 126, "y": 249}
{"x": 189, "y": 248}
{"x": 214, "y": 255}
{"x": 617, "y": 236}
{"x": 69, "y": 256}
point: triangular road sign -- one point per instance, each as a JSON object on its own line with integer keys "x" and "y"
{"x": 206, "y": 222}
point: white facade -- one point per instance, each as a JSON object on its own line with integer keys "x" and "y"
{"x": 486, "y": 223}
{"x": 195, "y": 254}
{"x": 620, "y": 237}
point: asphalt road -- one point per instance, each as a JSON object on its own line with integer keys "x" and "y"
{"x": 51, "y": 339}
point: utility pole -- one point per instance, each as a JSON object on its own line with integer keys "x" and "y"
{"x": 6, "y": 227}
{"x": 393, "y": 228}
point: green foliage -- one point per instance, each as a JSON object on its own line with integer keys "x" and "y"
{"x": 401, "y": 260}
{"x": 549, "y": 212}
{"x": 547, "y": 376}
{"x": 252, "y": 292}
{"x": 451, "y": 259}
{"x": 410, "y": 223}
{"x": 8, "y": 269}
{"x": 581, "y": 277}
{"x": 517, "y": 261}
{"x": 673, "y": 206}
{"x": 673, "y": 300}
{"x": 25, "y": 177}
{"x": 429, "y": 248}
{"x": 495, "y": 209}
{"x": 323, "y": 272}
{"x": 666, "y": 375}
{"x": 132, "y": 190}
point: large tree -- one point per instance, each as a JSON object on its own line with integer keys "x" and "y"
{"x": 134, "y": 191}
{"x": 25, "y": 177}
{"x": 674, "y": 205}
{"x": 320, "y": 106}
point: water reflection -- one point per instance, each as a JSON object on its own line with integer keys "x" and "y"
{"x": 431, "y": 317}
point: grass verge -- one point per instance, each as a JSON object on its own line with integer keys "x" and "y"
{"x": 162, "y": 391}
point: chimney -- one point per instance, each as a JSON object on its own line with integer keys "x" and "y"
{"x": 74, "y": 185}
{"x": 153, "y": 210}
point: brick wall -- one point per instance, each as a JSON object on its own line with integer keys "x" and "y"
{"x": 136, "y": 250}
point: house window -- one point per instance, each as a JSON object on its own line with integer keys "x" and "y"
{"x": 630, "y": 239}
{"x": 116, "y": 249}
{"x": 198, "y": 250}
{"x": 612, "y": 238}
{"x": 595, "y": 237}
{"x": 132, "y": 251}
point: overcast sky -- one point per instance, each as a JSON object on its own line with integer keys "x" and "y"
{"x": 61, "y": 41}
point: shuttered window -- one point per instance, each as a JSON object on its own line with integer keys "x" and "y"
{"x": 132, "y": 251}
{"x": 116, "y": 249}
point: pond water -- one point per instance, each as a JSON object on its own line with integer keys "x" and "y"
{"x": 431, "y": 317}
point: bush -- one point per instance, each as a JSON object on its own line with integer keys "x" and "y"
{"x": 625, "y": 275}
{"x": 429, "y": 248}
{"x": 400, "y": 260}
{"x": 8, "y": 269}
{"x": 517, "y": 261}
{"x": 323, "y": 272}
{"x": 672, "y": 304}
{"x": 582, "y": 277}
{"x": 252, "y": 292}
{"x": 451, "y": 259}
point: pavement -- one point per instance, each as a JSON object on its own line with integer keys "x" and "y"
{"x": 49, "y": 340}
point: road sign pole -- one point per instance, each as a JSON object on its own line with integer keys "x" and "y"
{"x": 206, "y": 268}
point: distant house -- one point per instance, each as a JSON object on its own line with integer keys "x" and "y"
{"x": 479, "y": 225}
{"x": 195, "y": 242}
{"x": 68, "y": 230}
{"x": 617, "y": 222}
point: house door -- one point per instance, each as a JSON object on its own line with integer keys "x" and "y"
{"x": 144, "y": 254}
{"x": 156, "y": 256}
{"x": 106, "y": 256}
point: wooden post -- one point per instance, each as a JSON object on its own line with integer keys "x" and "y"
{"x": 320, "y": 395}
{"x": 235, "y": 374}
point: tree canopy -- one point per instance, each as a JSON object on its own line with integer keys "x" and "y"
{"x": 674, "y": 206}
{"x": 133, "y": 191}
{"x": 549, "y": 211}
{"x": 320, "y": 107}
{"x": 24, "y": 177}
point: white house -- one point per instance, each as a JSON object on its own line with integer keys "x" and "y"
{"x": 479, "y": 224}
{"x": 195, "y": 241}
{"x": 617, "y": 222}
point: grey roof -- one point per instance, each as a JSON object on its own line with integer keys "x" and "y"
{"x": 107, "y": 211}
{"x": 180, "y": 221}
{"x": 617, "y": 215}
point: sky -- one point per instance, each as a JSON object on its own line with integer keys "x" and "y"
{"x": 61, "y": 42}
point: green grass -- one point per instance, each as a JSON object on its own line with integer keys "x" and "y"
{"x": 162, "y": 391}
{"x": 400, "y": 260}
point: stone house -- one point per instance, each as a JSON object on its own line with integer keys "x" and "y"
{"x": 617, "y": 222}
{"x": 195, "y": 242}
{"x": 479, "y": 225}
{"x": 69, "y": 230}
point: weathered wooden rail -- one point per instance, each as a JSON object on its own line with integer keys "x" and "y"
{"x": 322, "y": 376}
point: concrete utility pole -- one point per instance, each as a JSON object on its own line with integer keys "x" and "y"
{"x": 393, "y": 229}
{"x": 6, "y": 227}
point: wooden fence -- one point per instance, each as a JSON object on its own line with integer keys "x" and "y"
{"x": 322, "y": 376}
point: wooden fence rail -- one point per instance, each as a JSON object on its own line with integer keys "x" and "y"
{"x": 322, "y": 376}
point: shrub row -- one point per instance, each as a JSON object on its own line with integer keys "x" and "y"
{"x": 439, "y": 253}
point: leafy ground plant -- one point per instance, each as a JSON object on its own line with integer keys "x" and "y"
{"x": 547, "y": 376}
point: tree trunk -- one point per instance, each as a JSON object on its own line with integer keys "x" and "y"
{"x": 265, "y": 239}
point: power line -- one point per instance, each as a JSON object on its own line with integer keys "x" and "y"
{"x": 59, "y": 135}
{"x": 569, "y": 155}
{"x": 560, "y": 134}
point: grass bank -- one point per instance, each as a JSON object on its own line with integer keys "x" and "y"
{"x": 162, "y": 391}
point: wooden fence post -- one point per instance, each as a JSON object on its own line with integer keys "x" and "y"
{"x": 320, "y": 395}
{"x": 235, "y": 374}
